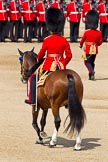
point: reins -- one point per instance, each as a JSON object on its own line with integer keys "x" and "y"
{"x": 35, "y": 67}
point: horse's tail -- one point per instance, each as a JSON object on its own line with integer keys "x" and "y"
{"x": 76, "y": 112}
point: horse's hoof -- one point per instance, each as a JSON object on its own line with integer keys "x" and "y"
{"x": 39, "y": 141}
{"x": 52, "y": 144}
{"x": 43, "y": 135}
{"x": 77, "y": 147}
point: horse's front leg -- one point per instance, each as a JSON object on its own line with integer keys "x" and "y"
{"x": 35, "y": 125}
{"x": 57, "y": 122}
{"x": 43, "y": 123}
{"x": 78, "y": 142}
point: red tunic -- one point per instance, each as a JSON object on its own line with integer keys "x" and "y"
{"x": 55, "y": 45}
{"x": 91, "y": 37}
{"x": 72, "y": 12}
{"x": 28, "y": 14}
{"x": 14, "y": 11}
{"x": 3, "y": 12}
{"x": 40, "y": 8}
{"x": 85, "y": 8}
{"x": 56, "y": 4}
{"x": 103, "y": 15}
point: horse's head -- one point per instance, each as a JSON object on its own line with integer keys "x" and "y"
{"x": 27, "y": 60}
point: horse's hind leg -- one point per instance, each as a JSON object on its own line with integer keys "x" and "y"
{"x": 57, "y": 122}
{"x": 35, "y": 125}
{"x": 43, "y": 123}
{"x": 78, "y": 142}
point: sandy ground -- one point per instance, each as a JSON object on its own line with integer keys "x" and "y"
{"x": 17, "y": 137}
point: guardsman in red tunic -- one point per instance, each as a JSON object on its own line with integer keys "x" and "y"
{"x": 55, "y": 48}
{"x": 35, "y": 22}
{"x": 3, "y": 19}
{"x": 28, "y": 18}
{"x": 103, "y": 15}
{"x": 40, "y": 8}
{"x": 60, "y": 4}
{"x": 74, "y": 16}
{"x": 89, "y": 5}
{"x": 21, "y": 24}
{"x": 15, "y": 17}
{"x": 92, "y": 39}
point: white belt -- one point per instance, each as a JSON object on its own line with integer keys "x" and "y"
{"x": 41, "y": 12}
{"x": 14, "y": 11}
{"x": 74, "y": 12}
{"x": 28, "y": 11}
{"x": 103, "y": 14}
{"x": 2, "y": 11}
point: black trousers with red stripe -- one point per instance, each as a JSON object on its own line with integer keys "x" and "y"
{"x": 31, "y": 88}
{"x": 90, "y": 63}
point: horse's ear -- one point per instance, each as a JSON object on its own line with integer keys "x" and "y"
{"x": 20, "y": 52}
{"x": 32, "y": 50}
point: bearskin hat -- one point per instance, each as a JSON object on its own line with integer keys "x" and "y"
{"x": 92, "y": 19}
{"x": 55, "y": 20}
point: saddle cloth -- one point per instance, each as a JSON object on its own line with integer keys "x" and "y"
{"x": 42, "y": 78}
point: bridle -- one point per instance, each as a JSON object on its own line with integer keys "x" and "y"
{"x": 25, "y": 73}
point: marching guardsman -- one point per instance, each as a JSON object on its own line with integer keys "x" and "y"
{"x": 15, "y": 16}
{"x": 74, "y": 16}
{"x": 40, "y": 8}
{"x": 92, "y": 39}
{"x": 103, "y": 16}
{"x": 55, "y": 48}
{"x": 28, "y": 18}
{"x": 87, "y": 6}
{"x": 3, "y": 19}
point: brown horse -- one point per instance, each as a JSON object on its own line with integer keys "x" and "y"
{"x": 61, "y": 88}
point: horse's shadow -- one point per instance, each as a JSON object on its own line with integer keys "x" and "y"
{"x": 87, "y": 144}
{"x": 90, "y": 143}
{"x": 101, "y": 79}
